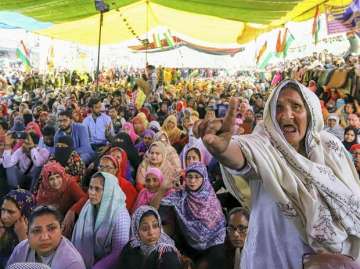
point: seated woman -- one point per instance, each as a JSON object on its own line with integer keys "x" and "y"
{"x": 238, "y": 222}
{"x": 191, "y": 155}
{"x": 59, "y": 190}
{"x": 110, "y": 165}
{"x": 199, "y": 215}
{"x": 144, "y": 145}
{"x": 153, "y": 180}
{"x": 175, "y": 135}
{"x": 103, "y": 227}
{"x": 149, "y": 247}
{"x": 156, "y": 157}
{"x": 171, "y": 152}
{"x": 15, "y": 210}
{"x": 126, "y": 170}
{"x": 66, "y": 155}
{"x": 46, "y": 244}
{"x": 128, "y": 128}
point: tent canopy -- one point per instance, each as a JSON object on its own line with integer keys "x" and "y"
{"x": 221, "y": 22}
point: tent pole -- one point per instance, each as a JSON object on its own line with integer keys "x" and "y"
{"x": 98, "y": 56}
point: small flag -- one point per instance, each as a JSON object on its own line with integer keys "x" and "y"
{"x": 316, "y": 26}
{"x": 24, "y": 55}
{"x": 50, "y": 58}
{"x": 278, "y": 42}
{"x": 169, "y": 39}
{"x": 139, "y": 99}
{"x": 157, "y": 40}
{"x": 261, "y": 52}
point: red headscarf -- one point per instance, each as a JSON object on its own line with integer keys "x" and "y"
{"x": 34, "y": 127}
{"x": 355, "y": 147}
{"x": 125, "y": 185}
{"x": 46, "y": 193}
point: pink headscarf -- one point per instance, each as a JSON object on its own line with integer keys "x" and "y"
{"x": 132, "y": 134}
{"x": 145, "y": 196}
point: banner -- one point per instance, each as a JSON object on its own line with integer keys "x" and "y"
{"x": 342, "y": 19}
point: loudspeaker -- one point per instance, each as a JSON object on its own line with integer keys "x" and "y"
{"x": 101, "y": 6}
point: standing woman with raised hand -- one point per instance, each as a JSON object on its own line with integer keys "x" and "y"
{"x": 305, "y": 189}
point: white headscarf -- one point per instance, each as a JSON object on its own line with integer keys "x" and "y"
{"x": 320, "y": 193}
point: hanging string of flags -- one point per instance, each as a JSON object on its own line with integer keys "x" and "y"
{"x": 145, "y": 41}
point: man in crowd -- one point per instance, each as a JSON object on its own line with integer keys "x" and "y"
{"x": 96, "y": 124}
{"x": 78, "y": 133}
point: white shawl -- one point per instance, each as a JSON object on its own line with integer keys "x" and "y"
{"x": 321, "y": 193}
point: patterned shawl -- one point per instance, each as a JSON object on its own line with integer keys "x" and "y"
{"x": 23, "y": 199}
{"x": 164, "y": 244}
{"x": 199, "y": 213}
{"x": 92, "y": 236}
{"x": 320, "y": 193}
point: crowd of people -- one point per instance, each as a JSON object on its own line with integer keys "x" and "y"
{"x": 210, "y": 170}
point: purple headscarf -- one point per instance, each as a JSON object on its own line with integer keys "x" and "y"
{"x": 199, "y": 212}
{"x": 164, "y": 244}
{"x": 142, "y": 147}
{"x": 24, "y": 200}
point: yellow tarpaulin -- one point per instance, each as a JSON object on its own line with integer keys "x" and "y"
{"x": 202, "y": 27}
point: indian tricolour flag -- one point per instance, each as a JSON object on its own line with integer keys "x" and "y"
{"x": 23, "y": 54}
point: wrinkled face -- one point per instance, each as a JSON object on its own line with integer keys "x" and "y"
{"x": 237, "y": 229}
{"x": 349, "y": 136}
{"x": 291, "y": 115}
{"x": 148, "y": 140}
{"x": 149, "y": 230}
{"x": 353, "y": 120}
{"x": 156, "y": 156}
{"x": 64, "y": 122}
{"x": 193, "y": 180}
{"x": 45, "y": 234}
{"x": 191, "y": 157}
{"x": 152, "y": 183}
{"x": 10, "y": 213}
{"x": 55, "y": 181}
{"x": 96, "y": 189}
{"x": 107, "y": 166}
{"x": 331, "y": 123}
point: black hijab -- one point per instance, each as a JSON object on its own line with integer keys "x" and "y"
{"x": 62, "y": 154}
{"x": 123, "y": 141}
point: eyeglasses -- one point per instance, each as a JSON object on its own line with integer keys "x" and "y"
{"x": 240, "y": 229}
{"x": 188, "y": 177}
